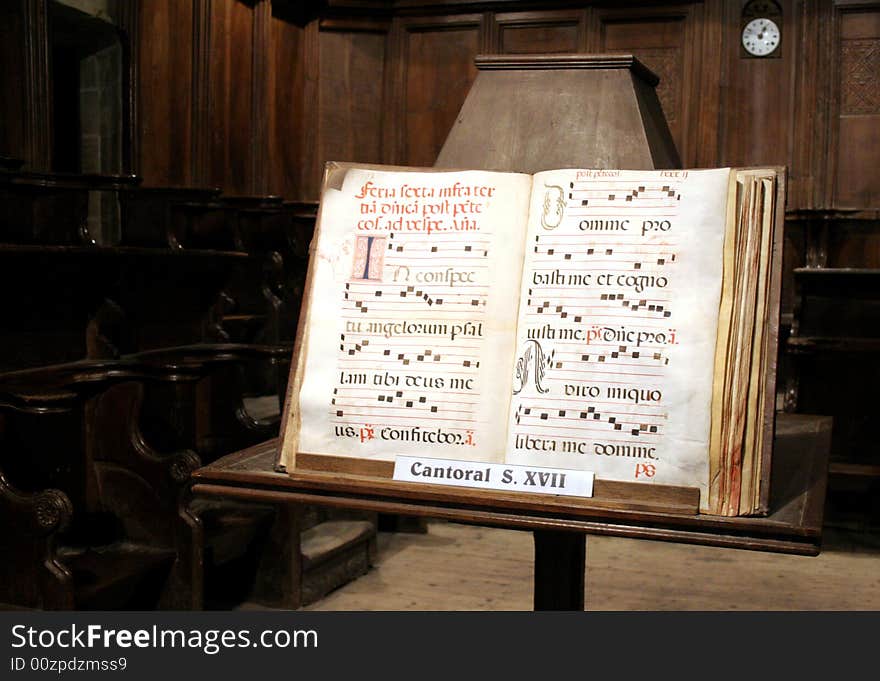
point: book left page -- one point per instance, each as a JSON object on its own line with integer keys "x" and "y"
{"x": 408, "y": 338}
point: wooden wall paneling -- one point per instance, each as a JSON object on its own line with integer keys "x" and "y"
{"x": 811, "y": 99}
{"x": 706, "y": 106}
{"x": 393, "y": 133}
{"x": 200, "y": 84}
{"x": 664, "y": 39}
{"x": 539, "y": 32}
{"x": 856, "y": 121}
{"x": 230, "y": 82}
{"x": 758, "y": 96}
{"x": 311, "y": 170}
{"x": 285, "y": 110}
{"x": 435, "y": 69}
{"x": 351, "y": 88}
{"x": 854, "y": 243}
{"x": 165, "y": 52}
{"x": 12, "y": 80}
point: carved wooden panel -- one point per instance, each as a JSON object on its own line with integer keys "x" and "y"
{"x": 660, "y": 41}
{"x": 856, "y": 184}
{"x": 350, "y": 100}
{"x": 860, "y": 76}
{"x": 438, "y": 69}
{"x": 230, "y": 96}
{"x": 165, "y": 96}
{"x": 545, "y": 32}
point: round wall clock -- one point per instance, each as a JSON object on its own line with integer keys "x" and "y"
{"x": 760, "y": 37}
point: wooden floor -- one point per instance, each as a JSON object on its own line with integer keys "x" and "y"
{"x": 459, "y": 567}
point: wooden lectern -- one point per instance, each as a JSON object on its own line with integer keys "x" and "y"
{"x": 531, "y": 113}
{"x": 527, "y": 114}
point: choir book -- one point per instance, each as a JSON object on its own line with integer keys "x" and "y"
{"x": 614, "y": 321}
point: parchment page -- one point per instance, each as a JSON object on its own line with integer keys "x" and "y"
{"x": 412, "y": 315}
{"x": 617, "y": 324}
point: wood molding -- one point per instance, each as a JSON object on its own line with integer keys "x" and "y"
{"x": 201, "y": 91}
{"x": 355, "y": 24}
{"x": 828, "y": 38}
{"x": 311, "y": 132}
{"x": 395, "y": 72}
{"x": 486, "y": 32}
{"x": 262, "y": 18}
{"x": 811, "y": 110}
{"x": 502, "y": 22}
{"x": 710, "y": 64}
{"x": 38, "y": 94}
{"x": 129, "y": 24}
{"x": 544, "y": 62}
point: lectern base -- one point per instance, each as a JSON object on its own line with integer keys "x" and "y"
{"x": 559, "y": 570}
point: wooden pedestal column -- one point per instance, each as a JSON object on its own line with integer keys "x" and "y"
{"x": 559, "y": 570}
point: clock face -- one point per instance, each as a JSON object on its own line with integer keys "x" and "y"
{"x": 760, "y": 37}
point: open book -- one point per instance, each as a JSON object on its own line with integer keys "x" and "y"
{"x": 620, "y": 322}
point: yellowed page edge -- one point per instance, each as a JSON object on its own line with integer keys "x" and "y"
{"x": 724, "y": 319}
{"x": 741, "y": 335}
{"x": 291, "y": 417}
{"x": 762, "y": 357}
{"x": 753, "y": 414}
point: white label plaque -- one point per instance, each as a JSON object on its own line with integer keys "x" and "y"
{"x": 500, "y": 476}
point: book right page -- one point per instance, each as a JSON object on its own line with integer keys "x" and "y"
{"x": 617, "y": 324}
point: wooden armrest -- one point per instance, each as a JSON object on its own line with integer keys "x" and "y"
{"x": 34, "y": 514}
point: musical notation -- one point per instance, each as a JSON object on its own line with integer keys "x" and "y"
{"x": 350, "y": 402}
{"x": 406, "y": 354}
{"x": 589, "y": 418}
{"x": 576, "y": 308}
{"x": 353, "y": 348}
{"x": 616, "y": 355}
{"x": 554, "y": 250}
{"x": 636, "y": 304}
{"x": 570, "y": 272}
{"x": 607, "y": 269}
{"x": 360, "y": 298}
{"x": 599, "y": 194}
{"x": 436, "y": 247}
{"x": 388, "y": 297}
